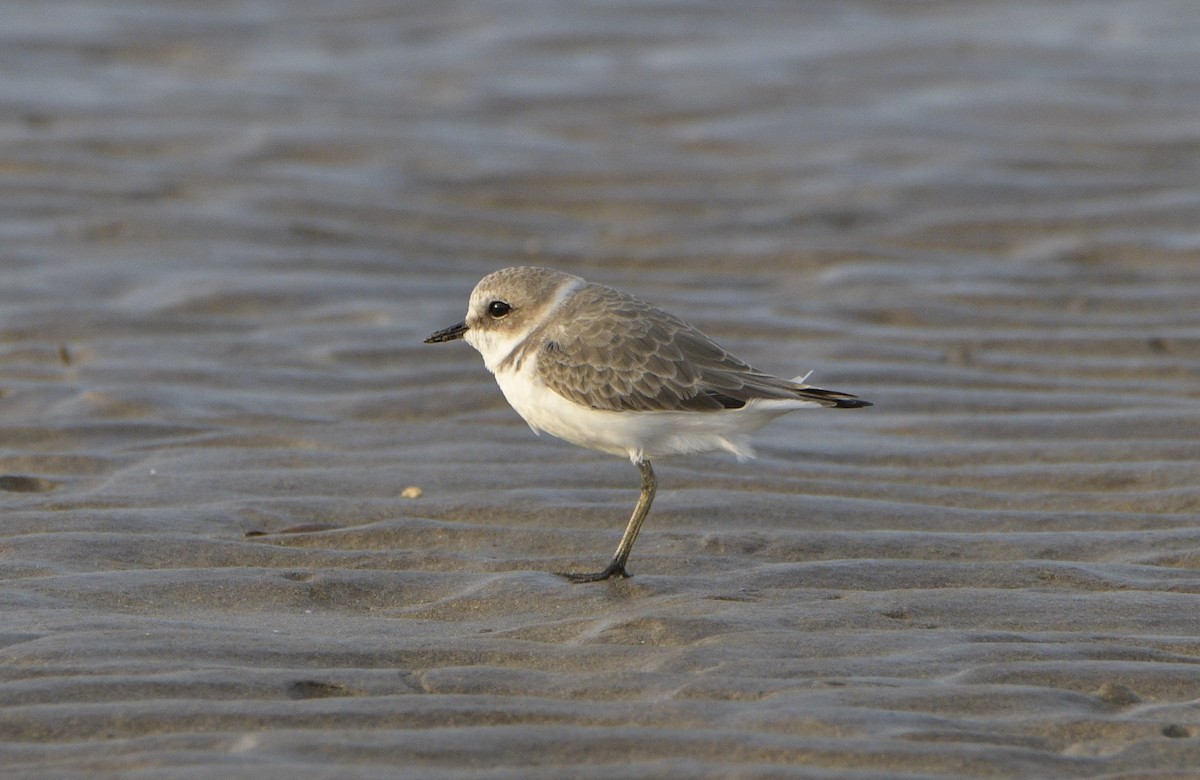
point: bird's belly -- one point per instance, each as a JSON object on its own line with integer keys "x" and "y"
{"x": 636, "y": 435}
{"x": 546, "y": 410}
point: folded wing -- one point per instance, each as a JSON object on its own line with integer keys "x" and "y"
{"x": 619, "y": 353}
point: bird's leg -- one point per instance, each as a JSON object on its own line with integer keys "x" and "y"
{"x": 617, "y": 566}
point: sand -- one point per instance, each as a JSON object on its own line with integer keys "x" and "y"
{"x": 228, "y": 226}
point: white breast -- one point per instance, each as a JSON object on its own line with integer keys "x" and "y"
{"x": 635, "y": 435}
{"x": 546, "y": 410}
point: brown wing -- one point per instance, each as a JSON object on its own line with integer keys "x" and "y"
{"x": 619, "y": 353}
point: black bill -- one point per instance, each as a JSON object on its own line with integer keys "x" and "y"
{"x": 448, "y": 334}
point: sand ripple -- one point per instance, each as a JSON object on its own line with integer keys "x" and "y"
{"x": 228, "y": 228}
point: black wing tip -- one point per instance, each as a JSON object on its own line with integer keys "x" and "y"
{"x": 726, "y": 401}
{"x": 834, "y": 399}
{"x": 715, "y": 400}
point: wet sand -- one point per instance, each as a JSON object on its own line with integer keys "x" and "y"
{"x": 228, "y": 227}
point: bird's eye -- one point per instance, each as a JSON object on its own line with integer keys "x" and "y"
{"x": 498, "y": 309}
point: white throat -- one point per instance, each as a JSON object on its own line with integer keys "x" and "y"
{"x": 493, "y": 346}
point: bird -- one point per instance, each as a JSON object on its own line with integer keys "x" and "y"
{"x": 605, "y": 370}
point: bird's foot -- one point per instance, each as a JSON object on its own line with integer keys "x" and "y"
{"x": 613, "y": 569}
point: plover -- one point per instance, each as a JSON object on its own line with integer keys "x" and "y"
{"x": 608, "y": 371}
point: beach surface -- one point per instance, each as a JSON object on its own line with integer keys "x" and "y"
{"x": 250, "y": 526}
